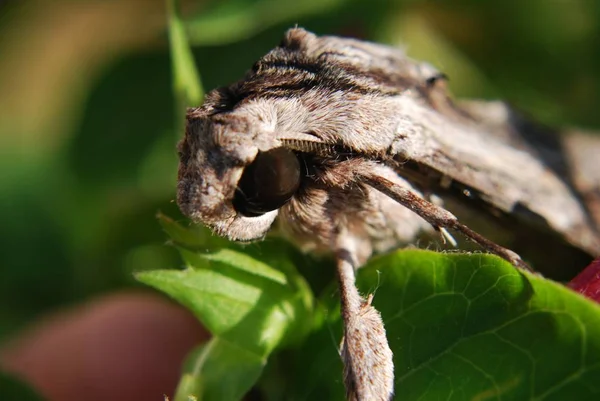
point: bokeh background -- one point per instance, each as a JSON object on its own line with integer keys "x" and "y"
{"x": 88, "y": 126}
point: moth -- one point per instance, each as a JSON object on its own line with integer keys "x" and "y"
{"x": 350, "y": 145}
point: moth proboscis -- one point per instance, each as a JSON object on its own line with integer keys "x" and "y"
{"x": 345, "y": 142}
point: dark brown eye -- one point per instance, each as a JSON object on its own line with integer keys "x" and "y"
{"x": 268, "y": 182}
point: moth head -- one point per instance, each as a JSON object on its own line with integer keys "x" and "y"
{"x": 231, "y": 177}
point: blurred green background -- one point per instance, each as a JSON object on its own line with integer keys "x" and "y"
{"x": 88, "y": 127}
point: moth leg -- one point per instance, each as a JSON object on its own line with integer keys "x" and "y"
{"x": 367, "y": 357}
{"x": 437, "y": 216}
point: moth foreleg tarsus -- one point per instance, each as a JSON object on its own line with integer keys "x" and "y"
{"x": 367, "y": 357}
{"x": 491, "y": 246}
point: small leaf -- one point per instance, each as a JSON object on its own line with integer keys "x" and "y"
{"x": 251, "y": 311}
{"x": 249, "y": 305}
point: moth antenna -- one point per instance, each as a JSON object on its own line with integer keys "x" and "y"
{"x": 367, "y": 357}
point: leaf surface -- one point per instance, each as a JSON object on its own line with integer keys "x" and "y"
{"x": 250, "y": 307}
{"x": 473, "y": 327}
{"x": 462, "y": 327}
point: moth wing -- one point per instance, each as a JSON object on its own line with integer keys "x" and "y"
{"x": 502, "y": 160}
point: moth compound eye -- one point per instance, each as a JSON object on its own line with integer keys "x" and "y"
{"x": 268, "y": 182}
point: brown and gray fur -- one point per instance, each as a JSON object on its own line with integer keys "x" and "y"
{"x": 358, "y": 111}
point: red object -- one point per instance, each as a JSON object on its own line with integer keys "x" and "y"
{"x": 588, "y": 281}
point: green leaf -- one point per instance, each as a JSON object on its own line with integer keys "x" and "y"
{"x": 462, "y": 327}
{"x": 273, "y": 251}
{"x": 186, "y": 80}
{"x": 312, "y": 370}
{"x": 249, "y": 305}
{"x": 191, "y": 237}
{"x": 473, "y": 327}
